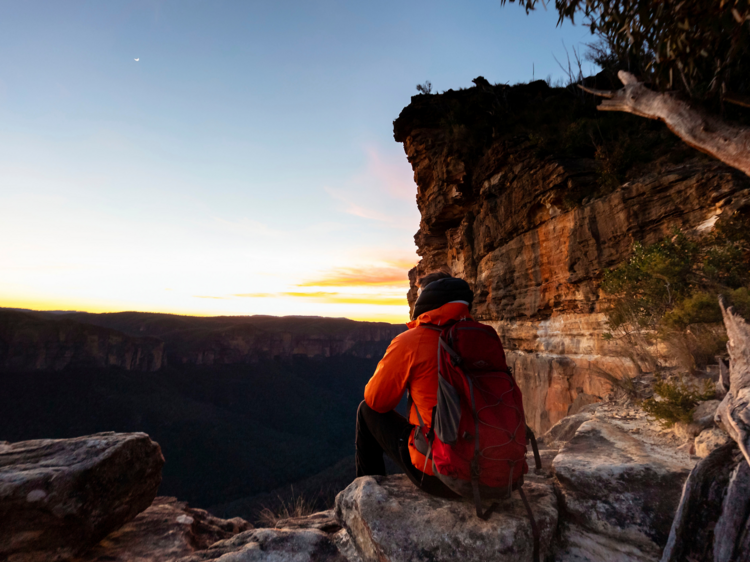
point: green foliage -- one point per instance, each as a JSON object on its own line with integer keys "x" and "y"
{"x": 425, "y": 88}
{"x": 698, "y": 308}
{"x": 669, "y": 291}
{"x": 701, "y": 47}
{"x": 649, "y": 284}
{"x": 740, "y": 301}
{"x": 678, "y": 401}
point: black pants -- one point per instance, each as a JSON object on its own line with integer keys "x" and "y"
{"x": 389, "y": 433}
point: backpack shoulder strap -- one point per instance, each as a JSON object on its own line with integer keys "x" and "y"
{"x": 534, "y": 447}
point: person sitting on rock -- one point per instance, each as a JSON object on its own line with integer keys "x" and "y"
{"x": 410, "y": 364}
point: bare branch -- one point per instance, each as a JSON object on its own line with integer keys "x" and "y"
{"x": 598, "y": 93}
{"x": 724, "y": 141}
{"x": 737, "y": 100}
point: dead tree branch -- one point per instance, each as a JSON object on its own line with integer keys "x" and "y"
{"x": 726, "y": 142}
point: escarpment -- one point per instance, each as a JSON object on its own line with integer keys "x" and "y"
{"x": 137, "y": 341}
{"x": 30, "y": 342}
{"x": 530, "y": 195}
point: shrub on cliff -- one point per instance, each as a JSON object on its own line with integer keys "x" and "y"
{"x": 668, "y": 293}
{"x": 677, "y": 400}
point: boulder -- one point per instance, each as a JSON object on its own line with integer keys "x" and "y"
{"x": 167, "y": 530}
{"x": 391, "y": 520}
{"x": 59, "y": 497}
{"x": 564, "y": 430}
{"x": 710, "y": 439}
{"x": 273, "y": 545}
{"x": 704, "y": 413}
{"x": 343, "y": 540}
{"x": 620, "y": 490}
{"x": 686, "y": 432}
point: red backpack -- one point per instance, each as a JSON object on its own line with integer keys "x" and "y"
{"x": 478, "y": 438}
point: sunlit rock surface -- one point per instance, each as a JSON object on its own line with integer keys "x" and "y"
{"x": 511, "y": 220}
{"x": 391, "y": 520}
{"x": 620, "y": 480}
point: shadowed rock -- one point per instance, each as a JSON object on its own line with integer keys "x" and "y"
{"x": 390, "y": 520}
{"x": 620, "y": 493}
{"x": 709, "y": 440}
{"x": 58, "y": 497}
{"x": 273, "y": 545}
{"x": 712, "y": 523}
{"x": 167, "y": 530}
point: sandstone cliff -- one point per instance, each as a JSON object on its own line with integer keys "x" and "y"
{"x": 528, "y": 194}
{"x": 227, "y": 340}
{"x": 29, "y": 342}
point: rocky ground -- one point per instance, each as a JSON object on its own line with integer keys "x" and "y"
{"x": 609, "y": 488}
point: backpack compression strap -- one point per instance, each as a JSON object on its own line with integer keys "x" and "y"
{"x": 484, "y": 515}
{"x": 429, "y": 435}
{"x": 534, "y": 447}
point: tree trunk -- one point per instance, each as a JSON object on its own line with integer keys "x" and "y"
{"x": 712, "y": 523}
{"x": 734, "y": 411}
{"x": 724, "y": 141}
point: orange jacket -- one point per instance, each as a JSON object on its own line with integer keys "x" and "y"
{"x": 410, "y": 362}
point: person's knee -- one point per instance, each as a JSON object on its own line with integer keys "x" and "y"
{"x": 363, "y": 410}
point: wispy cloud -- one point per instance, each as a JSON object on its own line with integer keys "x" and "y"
{"x": 382, "y": 191}
{"x": 394, "y": 174}
{"x": 361, "y": 276}
{"x": 353, "y": 208}
{"x": 209, "y": 297}
{"x": 333, "y": 297}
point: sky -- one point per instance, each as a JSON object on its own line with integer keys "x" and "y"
{"x": 245, "y": 162}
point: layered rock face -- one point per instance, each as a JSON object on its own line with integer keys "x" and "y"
{"x": 136, "y": 341}
{"x": 30, "y": 343}
{"x": 246, "y": 344}
{"x": 533, "y": 232}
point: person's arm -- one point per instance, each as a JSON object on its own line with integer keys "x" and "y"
{"x": 387, "y": 385}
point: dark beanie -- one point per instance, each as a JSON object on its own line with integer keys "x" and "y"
{"x": 441, "y": 292}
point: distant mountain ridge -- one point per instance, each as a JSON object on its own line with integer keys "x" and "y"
{"x": 240, "y": 405}
{"x": 37, "y": 342}
{"x": 140, "y": 341}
